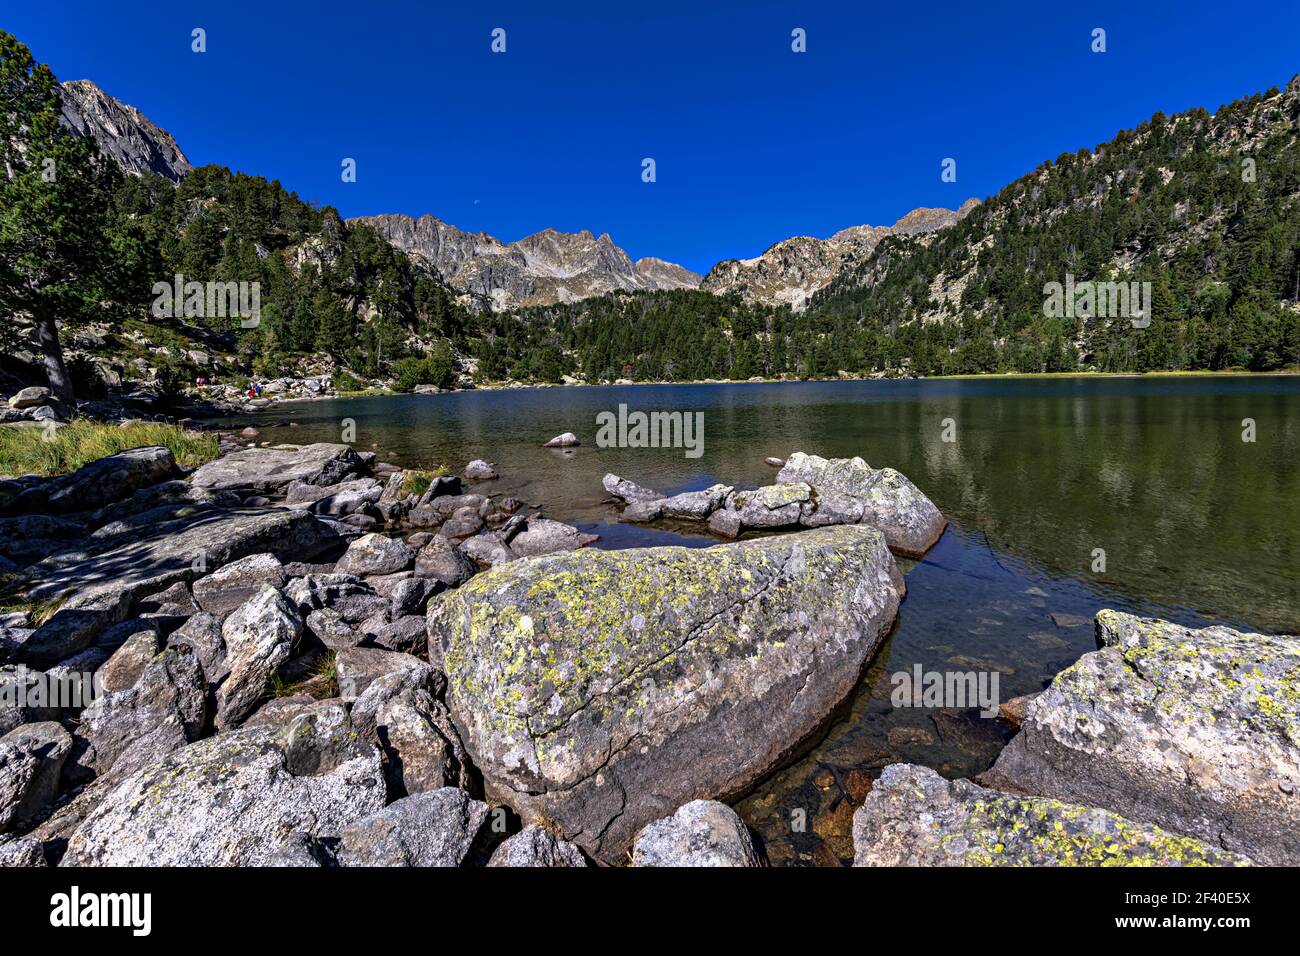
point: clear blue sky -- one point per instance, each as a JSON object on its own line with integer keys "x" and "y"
{"x": 753, "y": 142}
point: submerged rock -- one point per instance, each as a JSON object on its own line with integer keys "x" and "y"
{"x": 914, "y": 817}
{"x": 1196, "y": 731}
{"x": 480, "y": 470}
{"x": 603, "y": 689}
{"x": 229, "y": 800}
{"x": 701, "y": 833}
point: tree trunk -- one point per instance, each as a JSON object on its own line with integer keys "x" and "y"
{"x": 57, "y": 373}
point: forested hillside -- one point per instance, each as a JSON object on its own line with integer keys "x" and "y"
{"x": 1205, "y": 207}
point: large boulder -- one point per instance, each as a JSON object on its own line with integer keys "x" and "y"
{"x": 603, "y": 689}
{"x": 628, "y": 491}
{"x": 911, "y": 522}
{"x": 376, "y": 554}
{"x": 428, "y": 829}
{"x": 31, "y": 761}
{"x": 231, "y": 585}
{"x": 229, "y": 800}
{"x": 33, "y": 396}
{"x": 847, "y": 475}
{"x": 773, "y": 506}
{"x": 100, "y": 482}
{"x": 258, "y": 637}
{"x": 701, "y": 833}
{"x": 270, "y": 470}
{"x": 695, "y": 505}
{"x": 914, "y": 817}
{"x": 1195, "y": 731}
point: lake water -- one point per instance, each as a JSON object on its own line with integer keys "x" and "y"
{"x": 1040, "y": 476}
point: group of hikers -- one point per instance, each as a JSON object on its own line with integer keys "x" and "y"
{"x": 254, "y": 388}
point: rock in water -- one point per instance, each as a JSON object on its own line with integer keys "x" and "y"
{"x": 910, "y": 521}
{"x": 702, "y": 833}
{"x": 603, "y": 689}
{"x": 1195, "y": 731}
{"x": 847, "y": 475}
{"x": 566, "y": 440}
{"x": 480, "y": 470}
{"x": 229, "y": 800}
{"x": 914, "y": 817}
{"x": 537, "y": 847}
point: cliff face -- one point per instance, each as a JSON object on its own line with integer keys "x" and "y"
{"x": 792, "y": 270}
{"x": 122, "y": 132}
{"x": 542, "y": 269}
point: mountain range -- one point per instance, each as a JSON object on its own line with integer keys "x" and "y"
{"x": 546, "y": 268}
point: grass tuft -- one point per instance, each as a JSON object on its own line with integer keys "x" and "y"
{"x": 27, "y": 451}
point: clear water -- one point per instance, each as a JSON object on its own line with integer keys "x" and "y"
{"x": 1196, "y": 524}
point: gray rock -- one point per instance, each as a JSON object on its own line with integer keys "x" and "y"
{"x": 565, "y": 440}
{"x": 462, "y": 523}
{"x": 258, "y": 638}
{"x": 406, "y": 634}
{"x": 233, "y": 584}
{"x": 603, "y": 689}
{"x": 22, "y": 851}
{"x": 127, "y": 663}
{"x": 487, "y": 550}
{"x": 910, "y": 521}
{"x": 441, "y": 561}
{"x": 832, "y": 507}
{"x": 165, "y": 708}
{"x": 272, "y": 470}
{"x": 202, "y": 635}
{"x": 300, "y": 850}
{"x": 410, "y": 596}
{"x": 851, "y": 476}
{"x": 28, "y": 787}
{"x": 99, "y": 482}
{"x": 21, "y": 700}
{"x": 422, "y": 750}
{"x": 914, "y": 817}
{"x": 544, "y": 536}
{"x": 773, "y": 506}
{"x": 34, "y": 396}
{"x": 376, "y": 554}
{"x": 428, "y": 829}
{"x": 321, "y": 740}
{"x": 331, "y": 630}
{"x": 73, "y": 628}
{"x": 701, "y": 833}
{"x": 725, "y": 523}
{"x": 480, "y": 470}
{"x": 1195, "y": 731}
{"x": 537, "y": 847}
{"x": 229, "y": 800}
{"x": 695, "y": 505}
{"x": 628, "y": 491}
{"x": 359, "y": 667}
{"x": 303, "y": 493}
{"x": 641, "y": 512}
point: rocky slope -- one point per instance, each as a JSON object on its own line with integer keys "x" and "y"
{"x": 122, "y": 131}
{"x": 542, "y": 269}
{"x": 792, "y": 270}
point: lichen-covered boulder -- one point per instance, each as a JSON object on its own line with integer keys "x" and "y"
{"x": 847, "y": 475}
{"x": 773, "y": 506}
{"x": 910, "y": 520}
{"x": 701, "y": 833}
{"x": 229, "y": 800}
{"x": 1196, "y": 731}
{"x": 603, "y": 689}
{"x": 914, "y": 817}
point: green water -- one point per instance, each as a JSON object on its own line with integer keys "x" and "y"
{"x": 1195, "y": 524}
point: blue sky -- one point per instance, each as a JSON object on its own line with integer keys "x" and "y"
{"x": 752, "y": 142}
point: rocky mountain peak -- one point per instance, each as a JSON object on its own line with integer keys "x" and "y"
{"x": 122, "y": 132}
{"x": 792, "y": 270}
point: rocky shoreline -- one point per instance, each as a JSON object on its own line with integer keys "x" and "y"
{"x": 303, "y": 656}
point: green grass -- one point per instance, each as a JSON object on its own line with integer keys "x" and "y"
{"x": 27, "y": 451}
{"x": 418, "y": 482}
